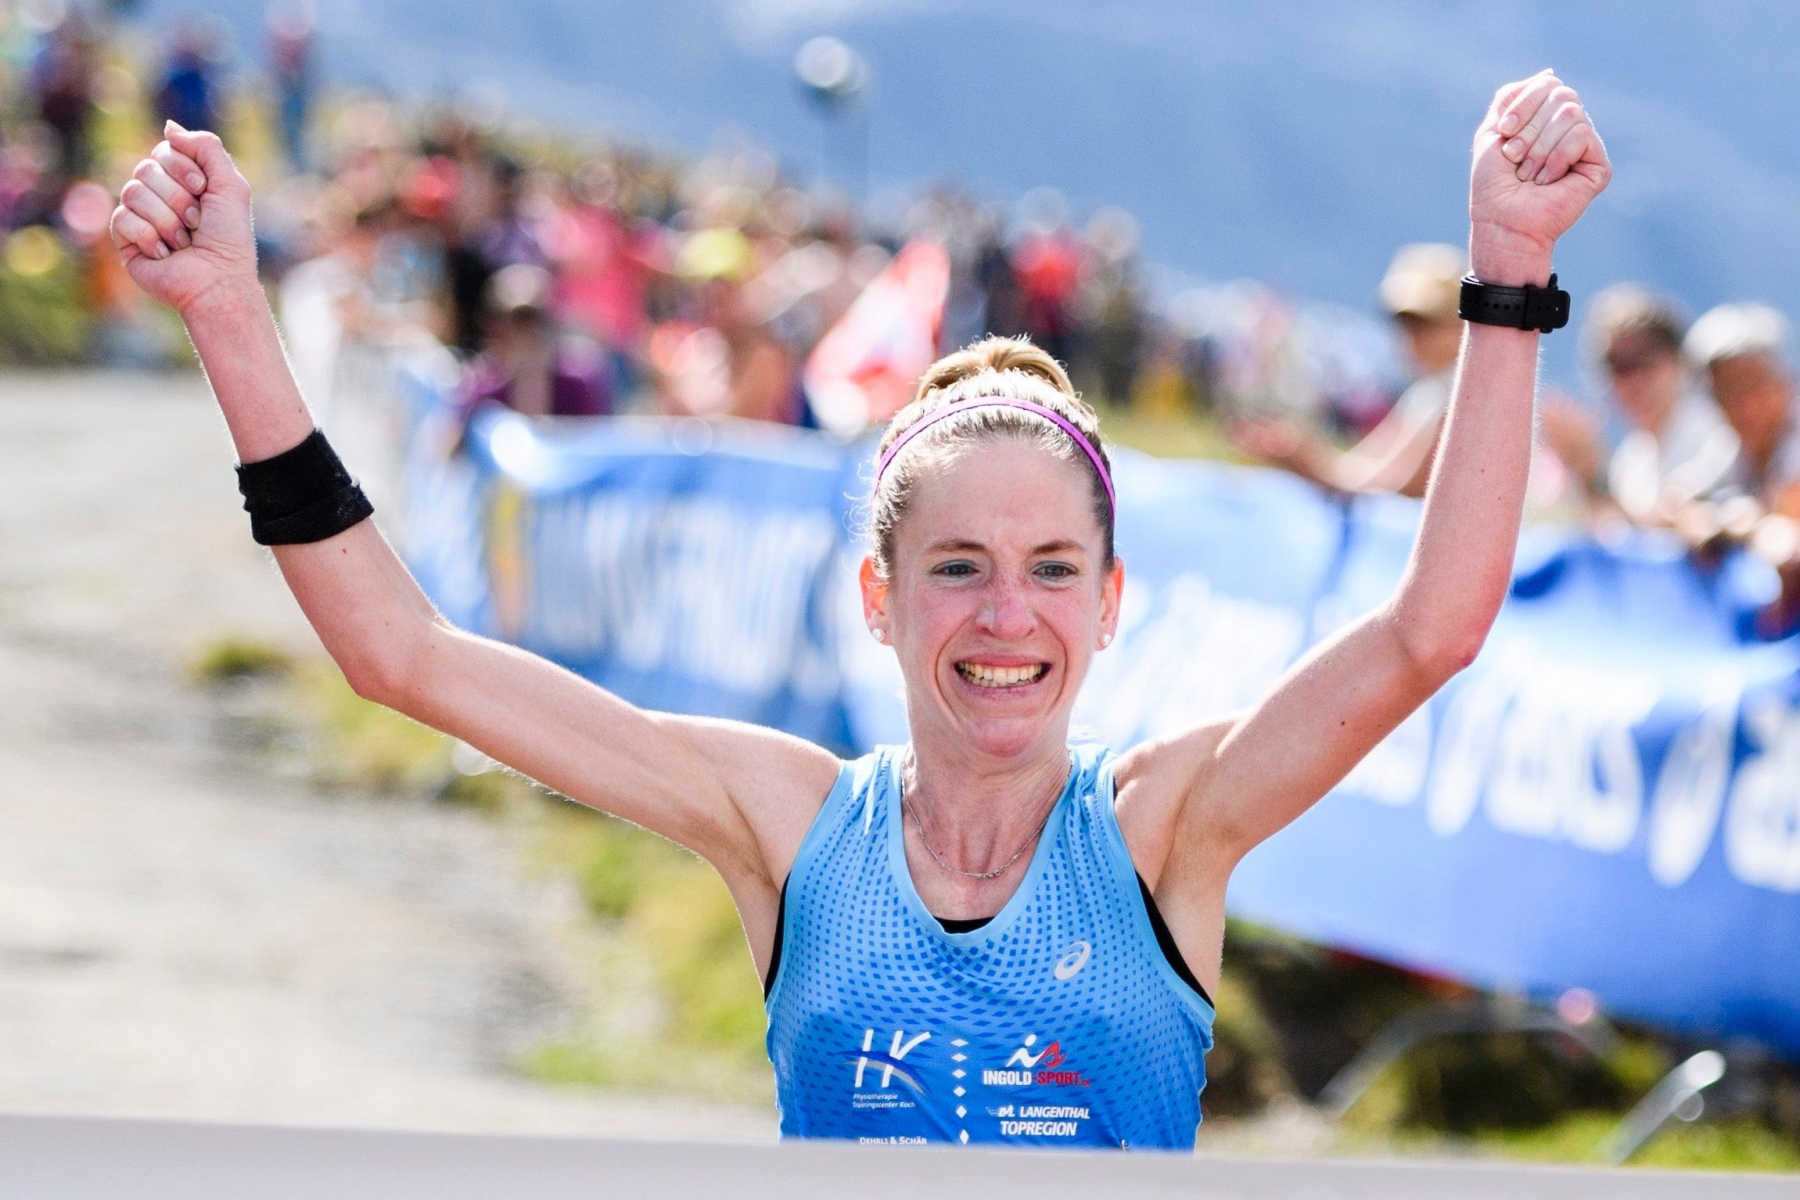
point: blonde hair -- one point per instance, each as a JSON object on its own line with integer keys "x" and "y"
{"x": 1009, "y": 368}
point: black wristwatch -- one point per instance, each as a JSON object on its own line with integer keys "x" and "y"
{"x": 1528, "y": 307}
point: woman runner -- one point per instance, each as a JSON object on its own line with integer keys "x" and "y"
{"x": 989, "y": 934}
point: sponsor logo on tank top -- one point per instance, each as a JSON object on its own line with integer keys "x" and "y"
{"x": 1035, "y": 1068}
{"x": 1040, "y": 1120}
{"x": 872, "y": 1087}
{"x": 1073, "y": 959}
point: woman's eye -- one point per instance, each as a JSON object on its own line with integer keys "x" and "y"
{"x": 955, "y": 570}
{"x": 1055, "y": 570}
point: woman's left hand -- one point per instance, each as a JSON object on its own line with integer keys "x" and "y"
{"x": 1538, "y": 163}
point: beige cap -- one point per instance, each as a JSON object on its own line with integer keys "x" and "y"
{"x": 1733, "y": 331}
{"x": 1425, "y": 279}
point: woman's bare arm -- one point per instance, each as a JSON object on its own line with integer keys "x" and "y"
{"x": 1225, "y": 788}
{"x": 739, "y": 795}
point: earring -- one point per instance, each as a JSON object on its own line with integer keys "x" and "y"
{"x": 880, "y": 634}
{"x": 1105, "y": 640}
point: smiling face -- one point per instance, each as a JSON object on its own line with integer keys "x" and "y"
{"x": 997, "y": 597}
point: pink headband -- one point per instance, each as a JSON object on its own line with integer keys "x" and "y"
{"x": 962, "y": 406}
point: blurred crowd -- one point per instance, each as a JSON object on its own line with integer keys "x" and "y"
{"x": 575, "y": 280}
{"x": 78, "y": 95}
{"x": 567, "y": 279}
{"x": 617, "y": 281}
{"x": 1698, "y": 433}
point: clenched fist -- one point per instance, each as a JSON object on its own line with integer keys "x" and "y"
{"x": 1538, "y": 163}
{"x": 182, "y": 226}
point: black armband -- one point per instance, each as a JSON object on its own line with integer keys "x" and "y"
{"x": 301, "y": 495}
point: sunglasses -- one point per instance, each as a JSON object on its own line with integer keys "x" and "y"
{"x": 1630, "y": 364}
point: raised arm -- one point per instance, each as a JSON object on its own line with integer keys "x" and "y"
{"x": 739, "y": 795}
{"x": 1223, "y": 789}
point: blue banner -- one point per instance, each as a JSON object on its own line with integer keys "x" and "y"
{"x": 683, "y": 567}
{"x": 1609, "y": 798}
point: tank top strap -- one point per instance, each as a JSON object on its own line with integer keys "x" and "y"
{"x": 1091, "y": 815}
{"x": 852, "y": 798}
{"x": 853, "y": 807}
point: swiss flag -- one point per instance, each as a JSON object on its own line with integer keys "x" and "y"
{"x": 864, "y": 369}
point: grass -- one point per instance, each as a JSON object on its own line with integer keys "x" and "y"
{"x": 366, "y": 746}
{"x": 1387, "y": 1119}
{"x": 1727, "y": 1144}
{"x": 44, "y": 318}
{"x": 1173, "y": 434}
{"x": 670, "y": 912}
{"x": 1732, "y": 1144}
{"x": 354, "y": 744}
{"x": 235, "y": 656}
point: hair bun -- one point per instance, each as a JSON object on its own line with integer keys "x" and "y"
{"x": 995, "y": 354}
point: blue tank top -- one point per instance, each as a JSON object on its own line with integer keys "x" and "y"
{"x": 1061, "y": 1022}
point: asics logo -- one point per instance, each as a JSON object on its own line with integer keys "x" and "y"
{"x": 1073, "y": 959}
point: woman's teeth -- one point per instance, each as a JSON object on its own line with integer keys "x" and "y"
{"x": 1000, "y": 677}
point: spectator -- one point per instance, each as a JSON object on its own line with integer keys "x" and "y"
{"x": 726, "y": 362}
{"x": 485, "y": 230}
{"x": 374, "y": 286}
{"x": 1420, "y": 292}
{"x": 1112, "y": 308}
{"x": 806, "y": 290}
{"x": 524, "y": 365}
{"x": 189, "y": 94}
{"x": 1741, "y": 348}
{"x": 29, "y": 183}
{"x": 604, "y": 260}
{"x": 1167, "y": 383}
{"x": 1047, "y": 262}
{"x": 62, "y": 79}
{"x": 1679, "y": 448}
{"x": 511, "y": 235}
{"x": 458, "y": 157}
{"x": 291, "y": 63}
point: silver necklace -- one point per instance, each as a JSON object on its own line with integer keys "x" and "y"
{"x": 937, "y": 858}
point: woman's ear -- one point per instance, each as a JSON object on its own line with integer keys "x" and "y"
{"x": 1112, "y": 591}
{"x": 874, "y": 597}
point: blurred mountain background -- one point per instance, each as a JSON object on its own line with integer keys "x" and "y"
{"x": 1296, "y": 144}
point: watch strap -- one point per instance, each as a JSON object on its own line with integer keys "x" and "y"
{"x": 1540, "y": 308}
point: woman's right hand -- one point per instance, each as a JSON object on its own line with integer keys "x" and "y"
{"x": 182, "y": 226}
